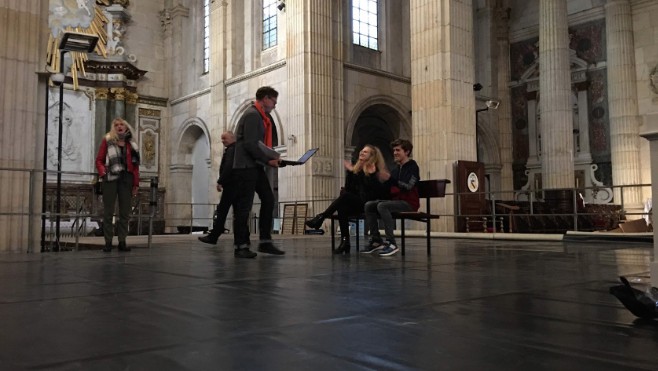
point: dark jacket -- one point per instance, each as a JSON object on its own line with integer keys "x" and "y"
{"x": 403, "y": 182}
{"x": 367, "y": 187}
{"x": 226, "y": 166}
{"x": 248, "y": 133}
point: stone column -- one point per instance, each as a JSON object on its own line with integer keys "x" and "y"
{"x": 22, "y": 53}
{"x": 555, "y": 96}
{"x": 622, "y": 103}
{"x": 218, "y": 122}
{"x": 505, "y": 107}
{"x": 443, "y": 103}
{"x": 173, "y": 19}
{"x": 313, "y": 100}
{"x": 650, "y": 132}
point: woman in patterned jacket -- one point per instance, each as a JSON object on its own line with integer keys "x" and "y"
{"x": 117, "y": 163}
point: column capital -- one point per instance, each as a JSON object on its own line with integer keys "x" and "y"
{"x": 118, "y": 93}
{"x": 102, "y": 93}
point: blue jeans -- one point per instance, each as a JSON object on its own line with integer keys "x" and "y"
{"x": 379, "y": 209}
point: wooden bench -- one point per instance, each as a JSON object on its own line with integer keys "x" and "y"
{"x": 427, "y": 189}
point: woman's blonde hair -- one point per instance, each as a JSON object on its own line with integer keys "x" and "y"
{"x": 376, "y": 158}
{"x": 113, "y": 136}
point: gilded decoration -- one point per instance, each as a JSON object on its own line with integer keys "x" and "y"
{"x": 149, "y": 141}
{"x": 149, "y": 112}
{"x": 102, "y": 93}
{"x": 118, "y": 93}
{"x": 102, "y": 18}
{"x": 82, "y": 16}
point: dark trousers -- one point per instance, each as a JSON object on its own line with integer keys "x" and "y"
{"x": 229, "y": 192}
{"x": 265, "y": 217}
{"x": 122, "y": 189}
{"x": 250, "y": 182}
{"x": 345, "y": 205}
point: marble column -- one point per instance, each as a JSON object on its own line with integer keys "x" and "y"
{"x": 314, "y": 101}
{"x": 505, "y": 107}
{"x": 117, "y": 103}
{"x": 622, "y": 103}
{"x": 131, "y": 111}
{"x": 443, "y": 103}
{"x": 555, "y": 96}
{"x": 102, "y": 124}
{"x": 583, "y": 155}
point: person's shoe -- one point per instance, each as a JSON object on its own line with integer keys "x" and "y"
{"x": 108, "y": 247}
{"x": 269, "y": 248}
{"x": 344, "y": 247}
{"x": 208, "y": 239}
{"x": 390, "y": 249}
{"x": 315, "y": 222}
{"x": 123, "y": 247}
{"x": 244, "y": 253}
{"x": 375, "y": 245}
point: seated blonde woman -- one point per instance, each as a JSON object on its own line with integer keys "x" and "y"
{"x": 365, "y": 182}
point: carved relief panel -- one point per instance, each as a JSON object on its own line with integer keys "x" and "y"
{"x": 149, "y": 139}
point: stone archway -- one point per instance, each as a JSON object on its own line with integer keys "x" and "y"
{"x": 377, "y": 121}
{"x": 190, "y": 177}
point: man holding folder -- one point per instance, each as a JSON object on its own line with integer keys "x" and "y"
{"x": 248, "y": 166}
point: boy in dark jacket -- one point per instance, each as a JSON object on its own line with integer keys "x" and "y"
{"x": 404, "y": 197}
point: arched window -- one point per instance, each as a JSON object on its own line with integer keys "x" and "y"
{"x": 364, "y": 23}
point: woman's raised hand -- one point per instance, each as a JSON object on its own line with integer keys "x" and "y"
{"x": 348, "y": 165}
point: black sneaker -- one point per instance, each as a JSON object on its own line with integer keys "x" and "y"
{"x": 269, "y": 248}
{"x": 245, "y": 253}
{"x": 107, "y": 248}
{"x": 123, "y": 247}
{"x": 208, "y": 239}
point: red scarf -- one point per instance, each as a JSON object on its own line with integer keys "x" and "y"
{"x": 267, "y": 123}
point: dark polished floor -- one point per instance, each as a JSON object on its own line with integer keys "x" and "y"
{"x": 473, "y": 305}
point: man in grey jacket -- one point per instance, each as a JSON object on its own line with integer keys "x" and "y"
{"x": 248, "y": 167}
